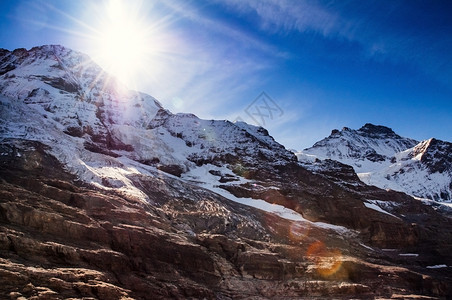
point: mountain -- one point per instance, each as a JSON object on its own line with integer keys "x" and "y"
{"x": 382, "y": 158}
{"x": 106, "y": 194}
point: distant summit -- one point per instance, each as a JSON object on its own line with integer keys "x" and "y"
{"x": 385, "y": 159}
{"x": 369, "y": 130}
{"x": 376, "y": 131}
{"x": 370, "y": 142}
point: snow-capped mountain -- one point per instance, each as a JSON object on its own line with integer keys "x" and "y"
{"x": 80, "y": 111}
{"x": 382, "y": 158}
{"x": 106, "y": 194}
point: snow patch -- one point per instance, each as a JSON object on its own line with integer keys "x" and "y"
{"x": 202, "y": 177}
{"x": 367, "y": 247}
{"x": 436, "y": 267}
{"x": 375, "y": 205}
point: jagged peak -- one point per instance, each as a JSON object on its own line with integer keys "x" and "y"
{"x": 430, "y": 143}
{"x": 369, "y": 130}
{"x": 250, "y": 127}
{"x": 44, "y": 51}
{"x": 434, "y": 141}
{"x": 335, "y": 132}
{"x": 435, "y": 154}
{"x": 186, "y": 115}
{"x": 48, "y": 47}
{"x": 372, "y": 129}
{"x": 421, "y": 148}
{"x": 21, "y": 52}
{"x": 11, "y": 60}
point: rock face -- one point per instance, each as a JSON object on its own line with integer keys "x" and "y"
{"x": 105, "y": 194}
{"x": 435, "y": 155}
{"x": 389, "y": 161}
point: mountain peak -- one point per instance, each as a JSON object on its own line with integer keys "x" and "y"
{"x": 383, "y": 158}
{"x": 368, "y": 130}
{"x": 22, "y": 52}
{"x": 371, "y": 142}
{"x": 376, "y": 130}
{"x": 434, "y": 154}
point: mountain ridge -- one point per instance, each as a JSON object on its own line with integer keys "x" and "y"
{"x": 387, "y": 160}
{"x": 105, "y": 193}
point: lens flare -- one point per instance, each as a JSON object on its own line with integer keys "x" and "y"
{"x": 328, "y": 262}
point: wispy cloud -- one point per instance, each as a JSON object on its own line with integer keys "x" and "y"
{"x": 192, "y": 13}
{"x": 288, "y": 15}
{"x": 196, "y": 68}
{"x": 380, "y": 28}
{"x": 201, "y": 74}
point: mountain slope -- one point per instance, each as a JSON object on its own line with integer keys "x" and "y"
{"x": 98, "y": 115}
{"x": 106, "y": 194}
{"x": 382, "y": 158}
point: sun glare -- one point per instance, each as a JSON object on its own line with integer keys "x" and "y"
{"x": 122, "y": 42}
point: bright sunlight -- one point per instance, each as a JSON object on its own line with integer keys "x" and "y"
{"x": 122, "y": 41}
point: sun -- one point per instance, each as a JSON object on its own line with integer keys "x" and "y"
{"x": 122, "y": 41}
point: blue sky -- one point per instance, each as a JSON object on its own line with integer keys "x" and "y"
{"x": 324, "y": 64}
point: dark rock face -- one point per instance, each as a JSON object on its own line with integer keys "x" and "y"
{"x": 335, "y": 170}
{"x": 436, "y": 155}
{"x": 61, "y": 238}
{"x": 377, "y": 131}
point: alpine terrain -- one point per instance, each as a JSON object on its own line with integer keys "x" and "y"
{"x": 382, "y": 158}
{"x": 106, "y": 194}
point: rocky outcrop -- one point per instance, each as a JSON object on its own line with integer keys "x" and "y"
{"x": 64, "y": 239}
{"x": 435, "y": 155}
